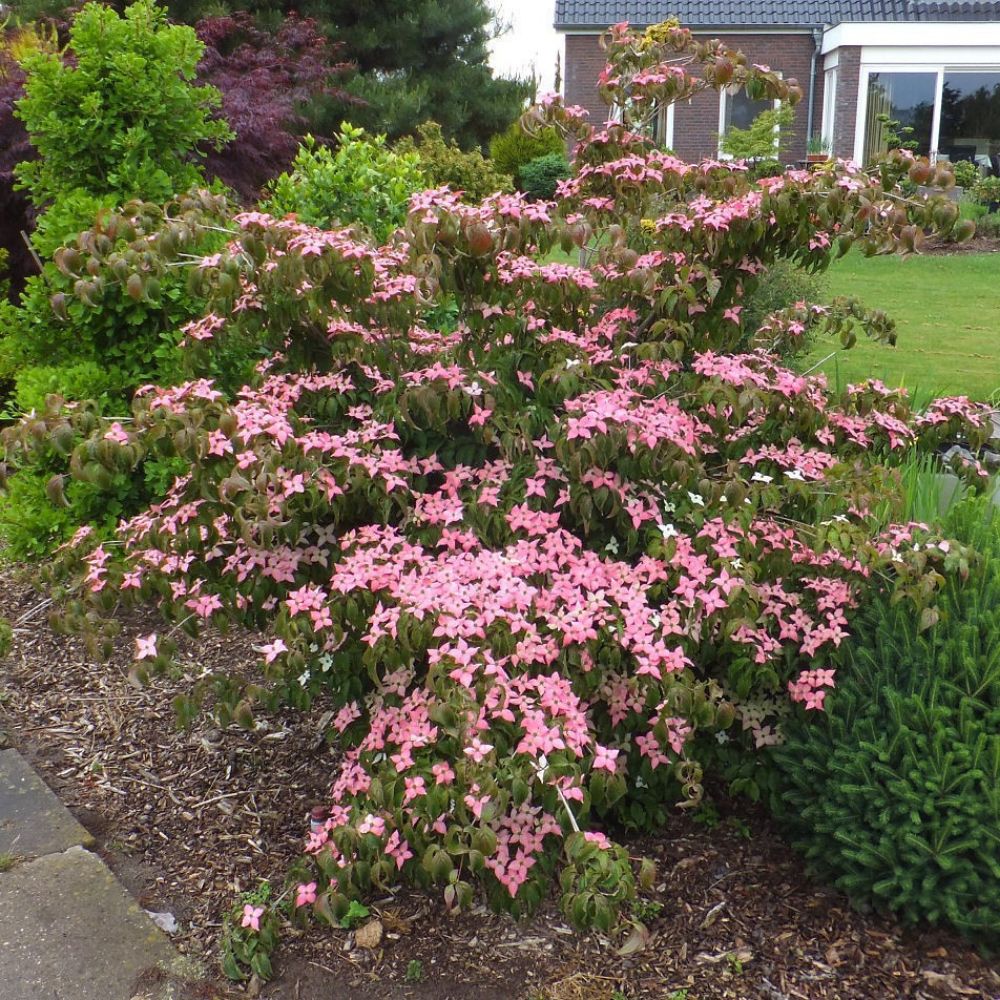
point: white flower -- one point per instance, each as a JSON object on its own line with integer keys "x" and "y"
{"x": 722, "y": 737}
{"x": 655, "y": 620}
{"x": 612, "y": 547}
{"x": 696, "y": 499}
{"x": 668, "y": 530}
{"x": 796, "y": 474}
{"x": 736, "y": 563}
{"x": 842, "y": 518}
{"x": 572, "y": 362}
{"x": 759, "y": 477}
{"x": 473, "y": 389}
{"x": 669, "y": 508}
{"x": 304, "y": 678}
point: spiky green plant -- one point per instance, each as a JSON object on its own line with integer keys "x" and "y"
{"x": 894, "y": 794}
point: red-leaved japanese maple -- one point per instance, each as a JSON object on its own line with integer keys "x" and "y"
{"x": 266, "y": 78}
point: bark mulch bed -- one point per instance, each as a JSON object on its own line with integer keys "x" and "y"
{"x": 189, "y": 819}
{"x": 978, "y": 244}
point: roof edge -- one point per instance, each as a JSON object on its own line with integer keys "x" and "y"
{"x": 758, "y": 26}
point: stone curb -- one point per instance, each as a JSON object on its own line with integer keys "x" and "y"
{"x": 68, "y": 928}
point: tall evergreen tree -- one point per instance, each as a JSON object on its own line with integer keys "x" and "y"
{"x": 416, "y": 60}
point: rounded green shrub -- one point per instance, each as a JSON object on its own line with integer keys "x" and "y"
{"x": 512, "y": 149}
{"x": 893, "y": 794}
{"x": 540, "y": 176}
{"x": 362, "y": 181}
{"x": 120, "y": 119}
{"x": 967, "y": 173}
{"x": 444, "y": 162}
{"x": 782, "y": 285}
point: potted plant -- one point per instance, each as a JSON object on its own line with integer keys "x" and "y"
{"x": 817, "y": 149}
{"x": 987, "y": 191}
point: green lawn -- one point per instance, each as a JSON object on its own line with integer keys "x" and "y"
{"x": 947, "y": 310}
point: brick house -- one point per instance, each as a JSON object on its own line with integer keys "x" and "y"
{"x": 930, "y": 64}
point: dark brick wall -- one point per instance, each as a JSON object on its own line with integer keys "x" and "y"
{"x": 846, "y": 113}
{"x": 696, "y": 123}
{"x": 584, "y": 60}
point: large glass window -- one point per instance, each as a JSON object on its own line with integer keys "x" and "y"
{"x": 906, "y": 98}
{"x": 970, "y": 118}
{"x": 739, "y": 111}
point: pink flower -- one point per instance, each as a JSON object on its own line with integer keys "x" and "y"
{"x": 116, "y": 433}
{"x": 251, "y": 916}
{"x": 398, "y": 849}
{"x": 273, "y": 650}
{"x": 305, "y": 894}
{"x": 606, "y": 759}
{"x": 145, "y": 648}
{"x": 443, "y": 773}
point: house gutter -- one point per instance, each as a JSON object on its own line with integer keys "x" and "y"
{"x": 810, "y": 111}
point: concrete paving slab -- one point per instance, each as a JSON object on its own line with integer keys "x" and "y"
{"x": 69, "y": 931}
{"x": 33, "y": 822}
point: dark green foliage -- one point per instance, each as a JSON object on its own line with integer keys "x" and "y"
{"x": 780, "y": 286}
{"x": 512, "y": 149}
{"x": 766, "y": 168}
{"x": 433, "y": 51}
{"x": 540, "y": 176}
{"x": 416, "y": 59}
{"x": 127, "y": 336}
{"x": 443, "y": 162}
{"x": 893, "y": 794}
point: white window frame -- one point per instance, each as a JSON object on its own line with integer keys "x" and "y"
{"x": 724, "y": 95}
{"x": 936, "y": 65}
{"x": 666, "y": 126}
{"x": 828, "y": 125}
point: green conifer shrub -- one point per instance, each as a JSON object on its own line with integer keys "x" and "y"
{"x": 541, "y": 176}
{"x": 893, "y": 794}
{"x": 512, "y": 149}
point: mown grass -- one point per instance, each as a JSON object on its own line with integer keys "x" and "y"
{"x": 947, "y": 311}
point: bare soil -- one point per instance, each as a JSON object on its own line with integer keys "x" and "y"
{"x": 190, "y": 819}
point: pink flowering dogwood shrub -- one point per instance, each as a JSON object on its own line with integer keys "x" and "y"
{"x": 536, "y": 528}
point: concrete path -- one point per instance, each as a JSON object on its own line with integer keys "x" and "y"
{"x": 68, "y": 930}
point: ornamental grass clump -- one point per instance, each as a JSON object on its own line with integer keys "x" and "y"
{"x": 534, "y": 528}
{"x": 893, "y": 795}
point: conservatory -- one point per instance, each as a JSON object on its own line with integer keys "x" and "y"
{"x": 936, "y": 85}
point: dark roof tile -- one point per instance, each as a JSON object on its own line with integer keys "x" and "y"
{"x": 732, "y": 13}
